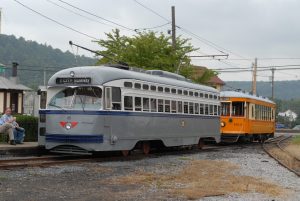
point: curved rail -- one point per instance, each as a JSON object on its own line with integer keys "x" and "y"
{"x": 276, "y": 143}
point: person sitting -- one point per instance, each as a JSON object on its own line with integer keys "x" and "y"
{"x": 19, "y": 132}
{"x": 7, "y": 128}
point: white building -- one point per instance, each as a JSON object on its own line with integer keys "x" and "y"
{"x": 292, "y": 116}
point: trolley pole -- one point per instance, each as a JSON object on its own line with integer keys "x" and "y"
{"x": 173, "y": 29}
{"x": 254, "y": 77}
{"x": 273, "y": 73}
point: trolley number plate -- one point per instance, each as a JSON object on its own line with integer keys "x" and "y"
{"x": 73, "y": 80}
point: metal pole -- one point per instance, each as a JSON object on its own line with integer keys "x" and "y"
{"x": 0, "y": 20}
{"x": 173, "y": 28}
{"x": 273, "y": 73}
{"x": 44, "y": 77}
{"x": 254, "y": 77}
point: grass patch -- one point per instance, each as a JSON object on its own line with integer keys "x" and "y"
{"x": 202, "y": 178}
{"x": 184, "y": 158}
{"x": 296, "y": 140}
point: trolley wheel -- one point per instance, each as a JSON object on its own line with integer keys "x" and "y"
{"x": 200, "y": 144}
{"x": 146, "y": 148}
{"x": 125, "y": 152}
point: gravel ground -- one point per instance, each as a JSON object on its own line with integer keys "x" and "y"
{"x": 95, "y": 181}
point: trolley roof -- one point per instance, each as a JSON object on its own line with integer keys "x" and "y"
{"x": 237, "y": 94}
{"x": 102, "y": 74}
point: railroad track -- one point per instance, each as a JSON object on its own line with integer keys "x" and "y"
{"x": 46, "y": 161}
{"x": 42, "y": 161}
{"x": 275, "y": 147}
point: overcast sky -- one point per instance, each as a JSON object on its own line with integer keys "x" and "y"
{"x": 244, "y": 29}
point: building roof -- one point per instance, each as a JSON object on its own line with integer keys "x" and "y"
{"x": 216, "y": 80}
{"x": 199, "y": 71}
{"x": 237, "y": 94}
{"x": 103, "y": 74}
{"x": 8, "y": 84}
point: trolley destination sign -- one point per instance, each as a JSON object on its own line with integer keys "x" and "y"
{"x": 73, "y": 80}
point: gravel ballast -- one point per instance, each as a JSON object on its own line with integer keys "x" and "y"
{"x": 96, "y": 181}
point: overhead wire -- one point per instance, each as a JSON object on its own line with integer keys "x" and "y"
{"x": 76, "y": 13}
{"x": 97, "y": 16}
{"x": 55, "y": 21}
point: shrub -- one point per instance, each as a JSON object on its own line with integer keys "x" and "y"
{"x": 30, "y": 124}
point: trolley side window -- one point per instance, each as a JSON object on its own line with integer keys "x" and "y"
{"x": 160, "y": 103}
{"x": 237, "y": 109}
{"x": 153, "y": 105}
{"x": 146, "y": 104}
{"x": 225, "y": 109}
{"x": 128, "y": 103}
{"x": 116, "y": 98}
{"x": 137, "y": 104}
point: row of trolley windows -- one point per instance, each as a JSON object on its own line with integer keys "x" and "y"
{"x": 169, "y": 90}
{"x": 263, "y": 113}
{"x": 168, "y": 106}
{"x": 258, "y": 112}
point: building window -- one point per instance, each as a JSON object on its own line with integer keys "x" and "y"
{"x": 128, "y": 84}
{"x": 145, "y": 86}
{"x": 186, "y": 107}
{"x": 167, "y": 106}
{"x": 179, "y": 107}
{"x": 160, "y": 103}
{"x": 137, "y": 104}
{"x": 146, "y": 104}
{"x": 153, "y": 105}
{"x": 137, "y": 85}
{"x": 127, "y": 102}
{"x": 153, "y": 88}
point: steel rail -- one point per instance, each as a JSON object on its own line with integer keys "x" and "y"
{"x": 276, "y": 142}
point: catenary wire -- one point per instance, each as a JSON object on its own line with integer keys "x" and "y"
{"x": 55, "y": 21}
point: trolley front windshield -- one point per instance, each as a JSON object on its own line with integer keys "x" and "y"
{"x": 85, "y": 98}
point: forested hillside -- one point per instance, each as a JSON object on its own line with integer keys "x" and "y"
{"x": 34, "y": 57}
{"x": 284, "y": 90}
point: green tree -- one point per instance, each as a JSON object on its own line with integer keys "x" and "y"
{"x": 149, "y": 50}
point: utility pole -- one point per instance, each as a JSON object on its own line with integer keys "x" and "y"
{"x": 173, "y": 28}
{"x": 0, "y": 20}
{"x": 45, "y": 75}
{"x": 273, "y": 73}
{"x": 254, "y": 77}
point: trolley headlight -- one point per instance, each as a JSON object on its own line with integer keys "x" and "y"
{"x": 72, "y": 73}
{"x": 223, "y": 124}
{"x": 68, "y": 126}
